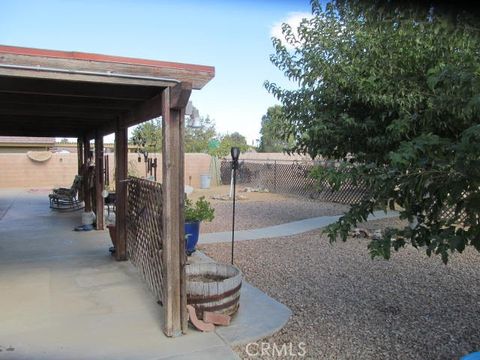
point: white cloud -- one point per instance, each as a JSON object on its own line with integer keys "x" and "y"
{"x": 293, "y": 19}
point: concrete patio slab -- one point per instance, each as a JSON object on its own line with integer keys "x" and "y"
{"x": 64, "y": 296}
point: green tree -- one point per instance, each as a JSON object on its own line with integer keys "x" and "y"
{"x": 197, "y": 139}
{"x": 227, "y": 142}
{"x": 271, "y": 137}
{"x": 148, "y": 136}
{"x": 394, "y": 93}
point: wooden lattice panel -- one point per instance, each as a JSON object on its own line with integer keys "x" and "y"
{"x": 144, "y": 232}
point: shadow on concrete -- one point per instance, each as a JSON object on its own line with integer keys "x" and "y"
{"x": 64, "y": 296}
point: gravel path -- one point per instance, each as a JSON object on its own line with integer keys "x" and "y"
{"x": 267, "y": 212}
{"x": 347, "y": 306}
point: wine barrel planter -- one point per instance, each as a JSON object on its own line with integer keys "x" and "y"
{"x": 213, "y": 287}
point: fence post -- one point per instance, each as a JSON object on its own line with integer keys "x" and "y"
{"x": 275, "y": 176}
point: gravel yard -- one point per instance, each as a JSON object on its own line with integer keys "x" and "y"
{"x": 263, "y": 209}
{"x": 347, "y": 306}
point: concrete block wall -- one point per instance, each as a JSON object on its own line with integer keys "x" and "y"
{"x": 196, "y": 164}
{"x": 18, "y": 171}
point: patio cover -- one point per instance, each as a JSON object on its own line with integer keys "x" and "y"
{"x": 72, "y": 94}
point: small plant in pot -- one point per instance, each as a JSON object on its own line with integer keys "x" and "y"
{"x": 195, "y": 213}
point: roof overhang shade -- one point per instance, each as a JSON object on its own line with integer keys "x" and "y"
{"x": 69, "y": 94}
{"x": 72, "y": 94}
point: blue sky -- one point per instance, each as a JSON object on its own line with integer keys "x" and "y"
{"x": 233, "y": 36}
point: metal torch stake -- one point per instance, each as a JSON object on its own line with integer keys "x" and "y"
{"x": 234, "y": 164}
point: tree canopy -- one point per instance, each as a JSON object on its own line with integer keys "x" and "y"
{"x": 393, "y": 92}
{"x": 227, "y": 142}
{"x": 197, "y": 139}
{"x": 148, "y": 137}
{"x": 271, "y": 139}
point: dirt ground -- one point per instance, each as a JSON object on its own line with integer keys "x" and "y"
{"x": 257, "y": 210}
{"x": 347, "y": 306}
{"x": 224, "y": 190}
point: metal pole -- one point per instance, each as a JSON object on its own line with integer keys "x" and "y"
{"x": 145, "y": 158}
{"x": 233, "y": 212}
{"x": 155, "y": 164}
{"x": 231, "y": 181}
{"x": 106, "y": 170}
{"x": 235, "y": 152}
{"x": 275, "y": 177}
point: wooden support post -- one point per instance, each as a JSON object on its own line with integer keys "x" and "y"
{"x": 121, "y": 174}
{"x": 99, "y": 180}
{"x": 79, "y": 155}
{"x": 174, "y": 257}
{"x": 87, "y": 197}
{"x": 180, "y": 114}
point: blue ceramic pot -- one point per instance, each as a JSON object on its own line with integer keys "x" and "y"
{"x": 192, "y": 229}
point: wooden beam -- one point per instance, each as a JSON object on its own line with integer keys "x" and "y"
{"x": 147, "y": 110}
{"x": 121, "y": 174}
{"x": 79, "y": 155}
{"x": 179, "y": 95}
{"x": 59, "y": 122}
{"x": 180, "y": 115}
{"x": 104, "y": 78}
{"x": 73, "y": 102}
{"x": 152, "y": 108}
{"x": 198, "y": 75}
{"x": 63, "y": 118}
{"x": 80, "y": 159}
{"x": 57, "y": 111}
{"x": 172, "y": 215}
{"x": 99, "y": 179}
{"x": 87, "y": 198}
{"x": 17, "y": 85}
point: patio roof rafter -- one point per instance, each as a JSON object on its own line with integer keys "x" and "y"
{"x": 72, "y": 85}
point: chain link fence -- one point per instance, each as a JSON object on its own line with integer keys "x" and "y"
{"x": 288, "y": 177}
{"x": 292, "y": 177}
